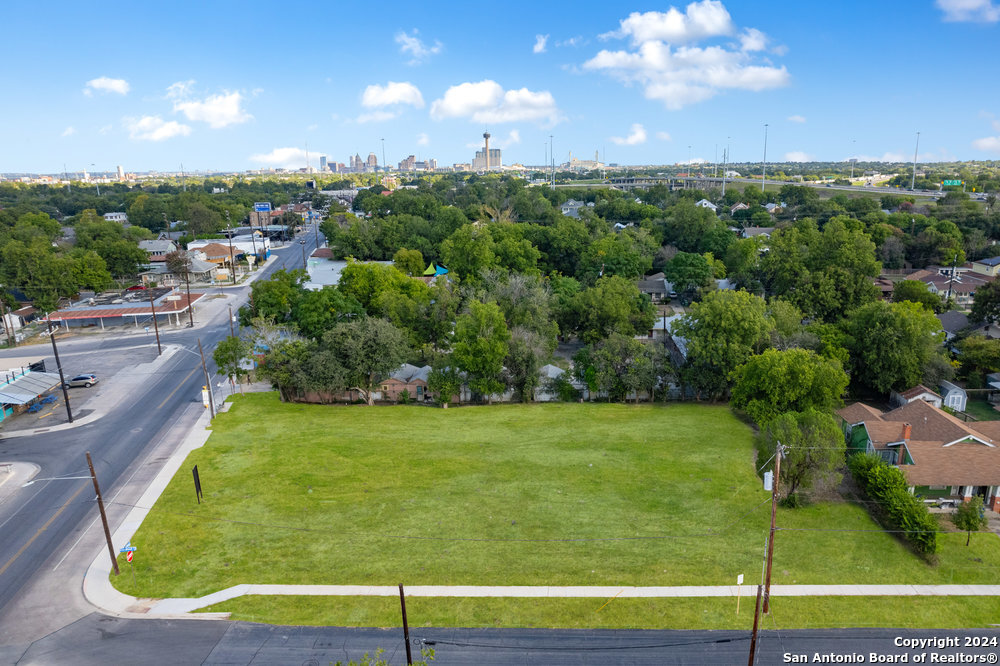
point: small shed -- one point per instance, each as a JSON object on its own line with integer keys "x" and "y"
{"x": 953, "y": 396}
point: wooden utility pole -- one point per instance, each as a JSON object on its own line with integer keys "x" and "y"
{"x": 406, "y": 626}
{"x": 187, "y": 282}
{"x": 770, "y": 539}
{"x": 104, "y": 516}
{"x": 62, "y": 379}
{"x": 156, "y": 326}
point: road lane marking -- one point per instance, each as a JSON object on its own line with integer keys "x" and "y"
{"x": 41, "y": 529}
{"x": 178, "y": 386}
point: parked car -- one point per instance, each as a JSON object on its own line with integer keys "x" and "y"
{"x": 81, "y": 380}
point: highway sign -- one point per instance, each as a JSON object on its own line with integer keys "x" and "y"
{"x": 128, "y": 556}
{"x": 952, "y": 183}
{"x": 262, "y": 207}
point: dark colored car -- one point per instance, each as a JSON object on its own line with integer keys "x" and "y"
{"x": 81, "y": 380}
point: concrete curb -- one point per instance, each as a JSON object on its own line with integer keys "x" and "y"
{"x": 97, "y": 588}
{"x": 175, "y": 607}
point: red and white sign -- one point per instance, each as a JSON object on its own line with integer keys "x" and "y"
{"x": 128, "y": 556}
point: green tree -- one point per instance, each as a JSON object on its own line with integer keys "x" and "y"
{"x": 795, "y": 380}
{"x": 986, "y": 302}
{"x": 229, "y": 355}
{"x": 317, "y": 311}
{"x": 891, "y": 344}
{"x": 813, "y": 448}
{"x": 480, "y": 346}
{"x": 469, "y": 250}
{"x": 444, "y": 382}
{"x": 274, "y": 298}
{"x": 688, "y": 273}
{"x": 979, "y": 356}
{"x": 916, "y": 291}
{"x": 970, "y": 517}
{"x": 723, "y": 331}
{"x": 368, "y": 350}
{"x": 202, "y": 220}
{"x": 620, "y": 365}
{"x": 409, "y": 262}
{"x": 612, "y": 305}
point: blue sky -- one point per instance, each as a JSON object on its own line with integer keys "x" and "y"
{"x": 233, "y": 86}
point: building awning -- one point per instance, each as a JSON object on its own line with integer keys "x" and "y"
{"x": 26, "y": 388}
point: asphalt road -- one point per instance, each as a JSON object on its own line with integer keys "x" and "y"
{"x": 97, "y": 639}
{"x": 36, "y": 521}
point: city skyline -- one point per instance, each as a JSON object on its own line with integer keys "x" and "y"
{"x": 663, "y": 84}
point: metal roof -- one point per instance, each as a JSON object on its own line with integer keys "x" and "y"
{"x": 26, "y": 388}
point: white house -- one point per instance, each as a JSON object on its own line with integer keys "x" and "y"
{"x": 705, "y": 203}
{"x": 116, "y": 217}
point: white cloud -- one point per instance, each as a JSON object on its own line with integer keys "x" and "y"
{"x": 391, "y": 93}
{"x": 180, "y": 90}
{"x": 487, "y": 102}
{"x": 663, "y": 136}
{"x": 105, "y": 129}
{"x": 415, "y": 47}
{"x": 288, "y": 158}
{"x": 753, "y": 39}
{"x": 798, "y": 156}
{"x": 989, "y": 144}
{"x": 686, "y": 74}
{"x": 218, "y": 111}
{"x": 975, "y": 11}
{"x": 513, "y": 137}
{"x": 796, "y": 119}
{"x": 708, "y": 18}
{"x": 423, "y": 139}
{"x": 540, "y": 41}
{"x": 69, "y": 131}
{"x": 637, "y": 135}
{"x": 376, "y": 117}
{"x": 154, "y": 128}
{"x": 572, "y": 42}
{"x": 104, "y": 84}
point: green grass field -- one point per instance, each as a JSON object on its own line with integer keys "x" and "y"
{"x": 562, "y": 494}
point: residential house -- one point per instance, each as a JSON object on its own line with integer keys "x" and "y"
{"x": 705, "y": 203}
{"x": 990, "y": 267}
{"x": 221, "y": 256}
{"x": 548, "y": 375}
{"x": 738, "y": 207}
{"x": 952, "y": 322}
{"x": 753, "y": 232}
{"x": 918, "y": 392}
{"x": 572, "y": 208}
{"x": 960, "y": 284}
{"x": 407, "y": 378}
{"x": 934, "y": 450}
{"x": 117, "y": 216}
{"x": 773, "y": 208}
{"x": 656, "y": 287}
{"x": 954, "y": 396}
{"x": 159, "y": 246}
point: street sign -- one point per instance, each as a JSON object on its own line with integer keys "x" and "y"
{"x": 262, "y": 207}
{"x": 952, "y": 183}
{"x": 128, "y": 555}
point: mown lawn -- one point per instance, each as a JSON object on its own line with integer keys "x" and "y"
{"x": 678, "y": 613}
{"x": 562, "y": 494}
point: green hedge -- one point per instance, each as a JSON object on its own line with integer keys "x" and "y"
{"x": 895, "y": 507}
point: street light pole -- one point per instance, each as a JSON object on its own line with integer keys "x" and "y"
{"x": 763, "y": 175}
{"x": 913, "y": 181}
{"x": 208, "y": 380}
{"x": 62, "y": 380}
{"x": 302, "y": 244}
{"x": 187, "y": 283}
{"x": 232, "y": 257}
